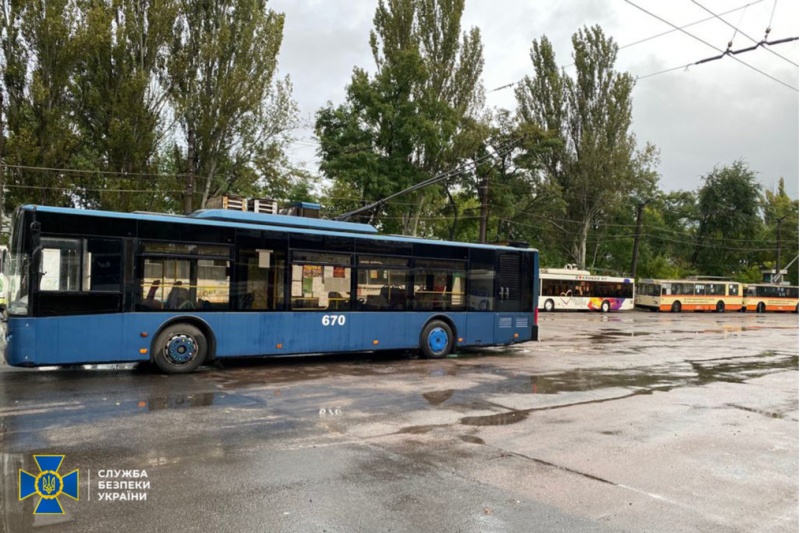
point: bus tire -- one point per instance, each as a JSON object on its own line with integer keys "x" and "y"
{"x": 436, "y": 339}
{"x": 179, "y": 349}
{"x": 720, "y": 306}
{"x": 676, "y": 307}
{"x": 605, "y": 307}
{"x": 549, "y": 305}
{"x": 760, "y": 308}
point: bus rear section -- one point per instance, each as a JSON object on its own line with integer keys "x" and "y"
{"x": 689, "y": 295}
{"x": 766, "y": 297}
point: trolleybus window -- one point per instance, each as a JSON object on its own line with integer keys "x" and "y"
{"x": 320, "y": 281}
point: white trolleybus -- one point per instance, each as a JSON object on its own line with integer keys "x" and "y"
{"x": 579, "y": 290}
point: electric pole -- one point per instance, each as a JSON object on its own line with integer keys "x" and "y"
{"x": 483, "y": 190}
{"x": 778, "y": 275}
{"x": 639, "y": 211}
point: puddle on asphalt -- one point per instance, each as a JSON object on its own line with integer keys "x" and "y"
{"x": 500, "y": 419}
{"x": 188, "y": 401}
{"x": 642, "y": 380}
{"x": 438, "y": 397}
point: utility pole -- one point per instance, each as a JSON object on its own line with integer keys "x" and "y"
{"x": 778, "y": 275}
{"x": 639, "y": 211}
{"x": 189, "y": 193}
{"x": 483, "y": 190}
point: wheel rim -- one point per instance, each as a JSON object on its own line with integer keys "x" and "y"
{"x": 180, "y": 349}
{"x": 605, "y": 307}
{"x": 437, "y": 340}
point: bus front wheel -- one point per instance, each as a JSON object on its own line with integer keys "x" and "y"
{"x": 549, "y": 305}
{"x": 180, "y": 349}
{"x": 720, "y": 306}
{"x": 605, "y": 306}
{"x": 436, "y": 339}
{"x": 676, "y": 307}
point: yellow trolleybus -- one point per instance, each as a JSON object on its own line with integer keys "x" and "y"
{"x": 689, "y": 295}
{"x": 763, "y": 297}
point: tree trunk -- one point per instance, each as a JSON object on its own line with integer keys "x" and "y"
{"x": 580, "y": 245}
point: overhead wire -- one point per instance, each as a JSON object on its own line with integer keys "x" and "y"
{"x": 712, "y": 46}
{"x": 736, "y": 29}
{"x": 506, "y": 86}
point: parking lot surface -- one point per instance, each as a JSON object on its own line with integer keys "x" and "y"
{"x": 611, "y": 422}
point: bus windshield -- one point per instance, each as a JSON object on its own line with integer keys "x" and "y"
{"x": 15, "y": 266}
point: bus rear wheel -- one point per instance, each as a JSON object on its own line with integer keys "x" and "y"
{"x": 436, "y": 339}
{"x": 720, "y": 306}
{"x": 605, "y": 306}
{"x": 180, "y": 349}
{"x": 549, "y": 305}
{"x": 676, "y": 307}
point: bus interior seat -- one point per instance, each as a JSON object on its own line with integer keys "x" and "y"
{"x": 246, "y": 300}
{"x": 179, "y": 298}
{"x": 336, "y": 301}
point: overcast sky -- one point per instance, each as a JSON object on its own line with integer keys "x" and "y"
{"x": 706, "y": 115}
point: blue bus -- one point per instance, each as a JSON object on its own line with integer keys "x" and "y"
{"x": 179, "y": 291}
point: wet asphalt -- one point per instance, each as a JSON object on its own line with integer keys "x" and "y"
{"x": 621, "y": 422}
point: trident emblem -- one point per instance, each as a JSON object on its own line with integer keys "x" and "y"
{"x": 49, "y": 485}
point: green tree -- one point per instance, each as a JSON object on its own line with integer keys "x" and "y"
{"x": 39, "y": 55}
{"x": 729, "y": 220}
{"x": 119, "y": 107}
{"x": 410, "y": 121}
{"x": 596, "y": 166}
{"x": 220, "y": 81}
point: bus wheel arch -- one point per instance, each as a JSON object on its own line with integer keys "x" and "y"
{"x": 177, "y": 331}
{"x": 760, "y": 308}
{"x": 549, "y": 305}
{"x": 437, "y": 338}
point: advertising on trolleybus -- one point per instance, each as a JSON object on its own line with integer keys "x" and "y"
{"x": 689, "y": 295}
{"x": 101, "y": 287}
{"x": 764, "y": 297}
{"x": 569, "y": 288}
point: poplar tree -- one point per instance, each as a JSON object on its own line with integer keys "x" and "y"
{"x": 596, "y": 165}
{"x": 409, "y": 121}
{"x": 221, "y": 83}
{"x": 39, "y": 55}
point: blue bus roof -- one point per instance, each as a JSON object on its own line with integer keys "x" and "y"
{"x": 227, "y": 215}
{"x": 288, "y": 224}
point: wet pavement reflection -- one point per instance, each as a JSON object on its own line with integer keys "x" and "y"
{"x": 132, "y": 413}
